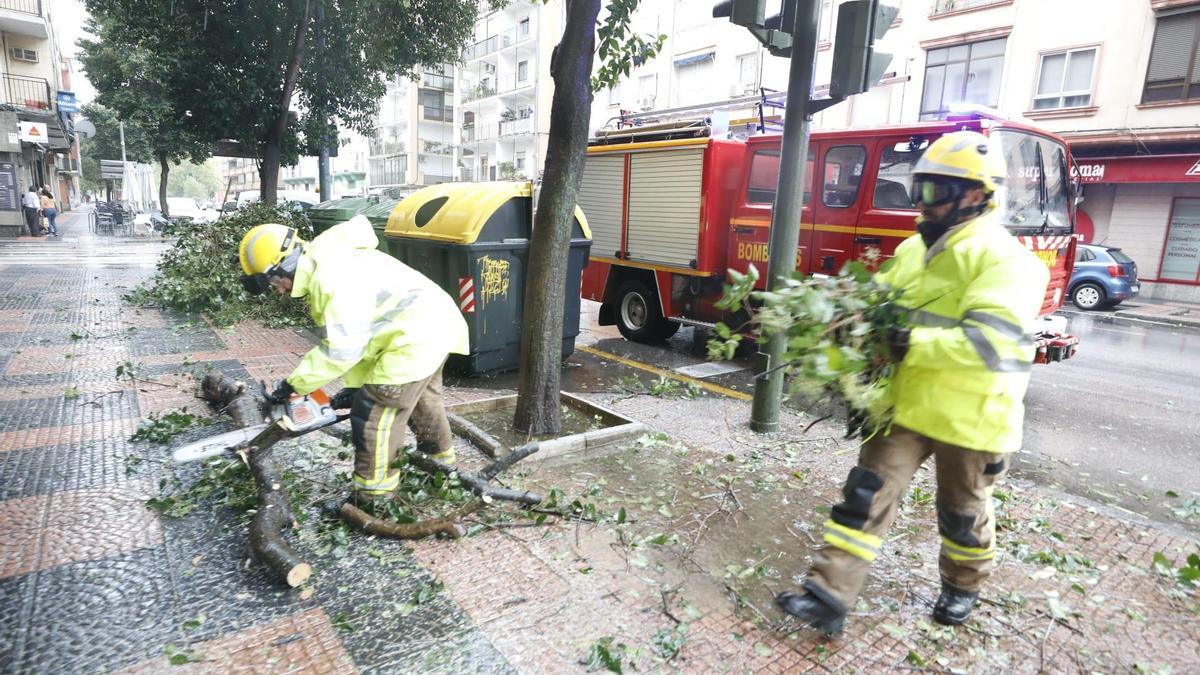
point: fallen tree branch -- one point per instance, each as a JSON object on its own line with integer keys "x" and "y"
{"x": 474, "y": 482}
{"x": 486, "y": 443}
{"x": 447, "y": 524}
{"x": 495, "y": 468}
{"x": 266, "y": 543}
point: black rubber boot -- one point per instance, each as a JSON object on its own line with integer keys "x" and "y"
{"x": 954, "y": 605}
{"x": 813, "y": 611}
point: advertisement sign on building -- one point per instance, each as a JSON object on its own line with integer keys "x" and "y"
{"x": 67, "y": 102}
{"x": 1181, "y": 259}
{"x": 34, "y": 132}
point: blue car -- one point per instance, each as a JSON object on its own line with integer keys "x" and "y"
{"x": 1103, "y": 277}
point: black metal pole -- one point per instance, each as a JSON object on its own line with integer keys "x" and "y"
{"x": 785, "y": 219}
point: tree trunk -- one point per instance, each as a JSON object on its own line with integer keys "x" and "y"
{"x": 162, "y": 183}
{"x": 541, "y": 334}
{"x": 272, "y": 153}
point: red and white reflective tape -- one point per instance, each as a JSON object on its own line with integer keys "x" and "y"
{"x": 466, "y": 295}
{"x": 1040, "y": 243}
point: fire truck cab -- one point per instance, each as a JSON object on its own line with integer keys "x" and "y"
{"x": 670, "y": 215}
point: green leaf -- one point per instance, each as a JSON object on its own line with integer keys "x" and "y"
{"x": 1162, "y": 565}
{"x": 1172, "y": 494}
{"x": 621, "y": 516}
{"x": 763, "y": 650}
{"x": 914, "y": 658}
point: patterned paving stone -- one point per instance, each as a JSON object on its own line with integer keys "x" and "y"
{"x": 70, "y": 407}
{"x": 21, "y": 520}
{"x": 85, "y": 389}
{"x": 153, "y": 341}
{"x": 300, "y": 643}
{"x": 73, "y": 434}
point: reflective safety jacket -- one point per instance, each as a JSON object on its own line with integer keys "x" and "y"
{"x": 381, "y": 321}
{"x": 972, "y": 297}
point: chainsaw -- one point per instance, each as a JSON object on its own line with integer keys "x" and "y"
{"x": 297, "y": 416}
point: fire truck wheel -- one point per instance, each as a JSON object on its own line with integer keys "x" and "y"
{"x": 639, "y": 317}
{"x": 1088, "y": 296}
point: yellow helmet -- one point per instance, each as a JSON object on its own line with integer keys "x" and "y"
{"x": 965, "y": 155}
{"x": 266, "y": 246}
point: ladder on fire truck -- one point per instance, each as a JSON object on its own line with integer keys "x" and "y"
{"x": 763, "y": 114}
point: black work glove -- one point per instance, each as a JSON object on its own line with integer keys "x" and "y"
{"x": 283, "y": 391}
{"x": 897, "y": 341}
{"x": 343, "y": 399}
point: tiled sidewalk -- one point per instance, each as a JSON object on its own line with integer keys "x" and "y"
{"x": 718, "y": 520}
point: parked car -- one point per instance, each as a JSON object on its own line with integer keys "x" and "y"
{"x": 186, "y": 207}
{"x": 1103, "y": 277}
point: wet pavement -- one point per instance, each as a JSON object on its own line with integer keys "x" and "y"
{"x": 687, "y": 532}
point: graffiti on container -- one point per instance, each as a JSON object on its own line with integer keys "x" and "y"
{"x": 493, "y": 277}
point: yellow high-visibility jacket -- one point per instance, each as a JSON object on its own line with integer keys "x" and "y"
{"x": 974, "y": 297}
{"x": 381, "y": 321}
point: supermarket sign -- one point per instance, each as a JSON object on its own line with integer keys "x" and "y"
{"x": 1138, "y": 169}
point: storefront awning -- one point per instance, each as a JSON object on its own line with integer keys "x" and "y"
{"x": 1138, "y": 169}
{"x": 695, "y": 58}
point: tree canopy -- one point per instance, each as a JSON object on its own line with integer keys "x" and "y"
{"x": 236, "y": 67}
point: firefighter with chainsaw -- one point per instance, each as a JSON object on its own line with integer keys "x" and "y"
{"x": 386, "y": 330}
{"x": 964, "y": 360}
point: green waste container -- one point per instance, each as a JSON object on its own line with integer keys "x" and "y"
{"x": 472, "y": 239}
{"x": 375, "y": 207}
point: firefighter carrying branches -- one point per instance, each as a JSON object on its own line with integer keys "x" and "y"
{"x": 386, "y": 330}
{"x": 965, "y": 357}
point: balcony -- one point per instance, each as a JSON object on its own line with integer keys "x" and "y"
{"x": 508, "y": 38}
{"x": 511, "y": 83}
{"x": 516, "y": 127}
{"x": 432, "y": 80}
{"x": 31, "y": 93}
{"x": 944, "y": 7}
{"x": 479, "y": 91}
{"x": 379, "y": 147}
{"x": 484, "y": 132}
{"x": 23, "y": 17}
{"x": 436, "y": 149}
{"x": 437, "y": 113}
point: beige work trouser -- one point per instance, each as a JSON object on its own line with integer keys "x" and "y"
{"x": 855, "y": 530}
{"x": 378, "y": 418}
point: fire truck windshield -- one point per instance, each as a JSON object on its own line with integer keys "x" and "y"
{"x": 1036, "y": 195}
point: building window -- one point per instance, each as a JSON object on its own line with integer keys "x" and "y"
{"x": 1065, "y": 80}
{"x": 693, "y": 78}
{"x": 1181, "y": 255}
{"x": 967, "y": 73}
{"x": 520, "y": 161}
{"x": 1174, "y": 71}
{"x": 614, "y": 96}
{"x": 522, "y": 71}
{"x": 747, "y": 78}
{"x": 647, "y": 91}
{"x": 523, "y": 27}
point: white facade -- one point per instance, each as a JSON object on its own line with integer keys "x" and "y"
{"x": 415, "y": 140}
{"x": 1109, "y": 75}
{"x": 505, "y": 92}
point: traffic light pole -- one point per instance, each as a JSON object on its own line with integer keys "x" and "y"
{"x": 789, "y": 195}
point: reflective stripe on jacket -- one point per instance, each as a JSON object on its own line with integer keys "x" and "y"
{"x": 972, "y": 296}
{"x": 381, "y": 321}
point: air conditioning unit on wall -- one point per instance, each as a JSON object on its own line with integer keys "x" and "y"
{"x": 27, "y": 55}
{"x": 646, "y": 103}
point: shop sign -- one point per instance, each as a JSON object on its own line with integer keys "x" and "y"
{"x": 1138, "y": 169}
{"x": 33, "y": 132}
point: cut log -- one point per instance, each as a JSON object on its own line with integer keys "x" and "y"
{"x": 473, "y": 482}
{"x": 486, "y": 443}
{"x": 447, "y": 524}
{"x": 274, "y": 515}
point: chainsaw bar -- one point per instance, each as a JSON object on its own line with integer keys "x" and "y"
{"x": 217, "y": 445}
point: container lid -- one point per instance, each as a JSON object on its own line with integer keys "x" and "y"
{"x": 457, "y": 212}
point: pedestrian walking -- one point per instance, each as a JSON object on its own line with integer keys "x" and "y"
{"x": 49, "y": 210}
{"x": 31, "y": 206}
{"x": 387, "y": 329}
{"x": 964, "y": 367}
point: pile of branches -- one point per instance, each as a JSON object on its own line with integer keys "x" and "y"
{"x": 837, "y": 338}
{"x": 201, "y": 273}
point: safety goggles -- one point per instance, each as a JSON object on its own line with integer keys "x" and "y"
{"x": 935, "y": 191}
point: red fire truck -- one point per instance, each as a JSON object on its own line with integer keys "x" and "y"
{"x": 670, "y": 215}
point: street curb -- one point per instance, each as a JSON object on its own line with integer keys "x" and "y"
{"x": 1115, "y": 317}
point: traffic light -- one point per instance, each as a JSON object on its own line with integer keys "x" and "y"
{"x": 856, "y": 65}
{"x": 774, "y": 31}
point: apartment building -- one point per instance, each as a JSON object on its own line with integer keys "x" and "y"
{"x": 35, "y": 137}
{"x": 415, "y": 140}
{"x": 506, "y": 91}
{"x": 238, "y": 174}
{"x": 1120, "y": 79}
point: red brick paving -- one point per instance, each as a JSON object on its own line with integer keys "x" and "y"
{"x": 71, "y": 433}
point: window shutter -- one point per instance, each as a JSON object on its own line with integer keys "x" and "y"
{"x": 1172, "y": 52}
